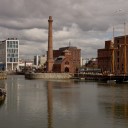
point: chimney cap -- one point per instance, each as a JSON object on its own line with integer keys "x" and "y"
{"x": 50, "y": 17}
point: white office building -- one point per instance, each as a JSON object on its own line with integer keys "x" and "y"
{"x": 39, "y": 60}
{"x": 9, "y": 54}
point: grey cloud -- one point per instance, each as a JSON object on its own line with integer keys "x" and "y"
{"x": 86, "y": 23}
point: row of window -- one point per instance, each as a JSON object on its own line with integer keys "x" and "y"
{"x": 12, "y": 44}
{"x": 12, "y": 50}
{"x": 12, "y": 59}
{"x": 12, "y": 55}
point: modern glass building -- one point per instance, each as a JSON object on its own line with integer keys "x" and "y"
{"x": 9, "y": 54}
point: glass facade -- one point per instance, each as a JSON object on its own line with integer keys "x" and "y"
{"x": 9, "y": 53}
{"x": 12, "y": 50}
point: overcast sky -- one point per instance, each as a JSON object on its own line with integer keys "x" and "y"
{"x": 86, "y": 24}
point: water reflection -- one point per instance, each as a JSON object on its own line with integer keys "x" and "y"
{"x": 61, "y": 97}
{"x": 49, "y": 104}
{"x": 3, "y": 87}
{"x": 63, "y": 104}
{"x": 1, "y": 102}
{"x": 2, "y": 84}
{"x": 50, "y": 86}
{"x": 114, "y": 100}
{"x": 12, "y": 93}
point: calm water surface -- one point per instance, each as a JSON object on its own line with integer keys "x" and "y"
{"x": 63, "y": 104}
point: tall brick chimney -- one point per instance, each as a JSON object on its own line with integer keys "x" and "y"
{"x": 50, "y": 60}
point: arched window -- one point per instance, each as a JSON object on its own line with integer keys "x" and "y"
{"x": 67, "y": 63}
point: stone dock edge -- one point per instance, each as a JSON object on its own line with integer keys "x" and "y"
{"x": 48, "y": 75}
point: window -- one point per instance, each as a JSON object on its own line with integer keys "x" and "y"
{"x": 10, "y": 59}
{"x": 67, "y": 63}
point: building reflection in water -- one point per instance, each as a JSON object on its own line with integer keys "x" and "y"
{"x": 64, "y": 99}
{"x": 2, "y": 86}
{"x": 115, "y": 101}
{"x": 11, "y": 87}
{"x": 50, "y": 104}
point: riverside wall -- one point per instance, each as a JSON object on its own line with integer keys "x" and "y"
{"x": 48, "y": 76}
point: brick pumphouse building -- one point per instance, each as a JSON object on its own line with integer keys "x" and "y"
{"x": 66, "y": 59}
{"x": 114, "y": 52}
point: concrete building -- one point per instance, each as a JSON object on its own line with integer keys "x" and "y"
{"x": 112, "y": 57}
{"x": 9, "y": 54}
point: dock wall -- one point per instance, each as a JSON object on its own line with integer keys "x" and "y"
{"x": 48, "y": 76}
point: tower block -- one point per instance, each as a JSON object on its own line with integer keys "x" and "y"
{"x": 50, "y": 60}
